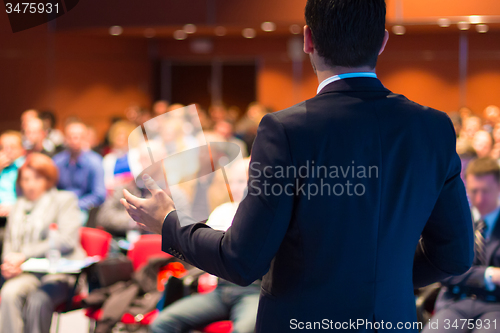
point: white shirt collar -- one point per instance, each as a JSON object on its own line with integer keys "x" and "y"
{"x": 334, "y": 78}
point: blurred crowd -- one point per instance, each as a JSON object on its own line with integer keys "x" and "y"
{"x": 53, "y": 182}
{"x": 70, "y": 178}
{"x": 478, "y": 135}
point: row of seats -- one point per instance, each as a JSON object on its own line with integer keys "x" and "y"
{"x": 96, "y": 242}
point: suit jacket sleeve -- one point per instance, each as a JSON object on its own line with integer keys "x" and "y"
{"x": 473, "y": 278}
{"x": 446, "y": 247}
{"x": 244, "y": 252}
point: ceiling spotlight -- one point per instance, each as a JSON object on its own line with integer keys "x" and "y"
{"x": 444, "y": 22}
{"x": 115, "y": 30}
{"x": 189, "y": 28}
{"x": 463, "y": 25}
{"x": 180, "y": 34}
{"x": 268, "y": 26}
{"x": 295, "y": 29}
{"x": 220, "y": 31}
{"x": 399, "y": 30}
{"x": 248, "y": 33}
{"x": 149, "y": 33}
{"x": 475, "y": 19}
{"x": 482, "y": 28}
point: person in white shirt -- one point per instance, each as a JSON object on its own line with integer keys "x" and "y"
{"x": 228, "y": 300}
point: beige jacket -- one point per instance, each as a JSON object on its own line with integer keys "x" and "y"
{"x": 28, "y": 233}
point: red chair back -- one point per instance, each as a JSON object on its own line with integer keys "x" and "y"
{"x": 147, "y": 246}
{"x": 207, "y": 283}
{"x": 95, "y": 241}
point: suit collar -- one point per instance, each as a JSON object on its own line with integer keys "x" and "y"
{"x": 492, "y": 244}
{"x": 354, "y": 84}
{"x": 496, "y": 228}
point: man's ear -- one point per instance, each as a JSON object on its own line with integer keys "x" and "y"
{"x": 384, "y": 43}
{"x": 308, "y": 43}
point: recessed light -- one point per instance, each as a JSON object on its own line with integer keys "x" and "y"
{"x": 482, "y": 28}
{"x": 189, "y": 28}
{"x": 248, "y": 33}
{"x": 180, "y": 34}
{"x": 149, "y": 33}
{"x": 475, "y": 19}
{"x": 115, "y": 30}
{"x": 399, "y": 30}
{"x": 444, "y": 22}
{"x": 268, "y": 26}
{"x": 220, "y": 31}
{"x": 463, "y": 25}
{"x": 295, "y": 29}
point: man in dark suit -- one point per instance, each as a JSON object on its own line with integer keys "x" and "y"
{"x": 471, "y": 301}
{"x": 341, "y": 189}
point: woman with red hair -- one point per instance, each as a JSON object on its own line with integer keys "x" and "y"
{"x": 29, "y": 299}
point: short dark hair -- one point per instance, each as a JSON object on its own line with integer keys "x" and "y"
{"x": 48, "y": 114}
{"x": 482, "y": 167}
{"x": 347, "y": 33}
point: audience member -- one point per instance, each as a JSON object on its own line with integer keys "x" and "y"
{"x": 119, "y": 162}
{"x": 228, "y": 300}
{"x": 217, "y": 112}
{"x": 80, "y": 171}
{"x": 102, "y": 147}
{"x": 470, "y": 126}
{"x": 457, "y": 122}
{"x": 482, "y": 142}
{"x": 246, "y": 128}
{"x": 29, "y": 299}
{"x": 491, "y": 117}
{"x": 465, "y": 113}
{"x": 495, "y": 152}
{"x": 233, "y": 114}
{"x": 225, "y": 129}
{"x": 475, "y": 295}
{"x": 49, "y": 123}
{"x": 25, "y": 117}
{"x": 36, "y": 138}
{"x": 11, "y": 158}
{"x": 205, "y": 120}
{"x": 175, "y": 106}
{"x": 137, "y": 115}
{"x": 466, "y": 154}
{"x": 160, "y": 107}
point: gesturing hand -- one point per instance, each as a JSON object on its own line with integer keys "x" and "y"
{"x": 149, "y": 213}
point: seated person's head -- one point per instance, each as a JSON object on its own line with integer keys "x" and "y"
{"x": 119, "y": 133}
{"x": 11, "y": 145}
{"x": 49, "y": 119}
{"x": 482, "y": 142}
{"x": 238, "y": 179}
{"x": 483, "y": 184}
{"x": 35, "y": 133}
{"x": 26, "y": 116}
{"x": 76, "y": 136}
{"x": 37, "y": 175}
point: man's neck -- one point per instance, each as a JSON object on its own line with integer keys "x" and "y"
{"x": 73, "y": 155}
{"x": 487, "y": 211}
{"x": 332, "y": 71}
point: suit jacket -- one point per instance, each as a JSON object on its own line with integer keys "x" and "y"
{"x": 472, "y": 282}
{"x": 348, "y": 255}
